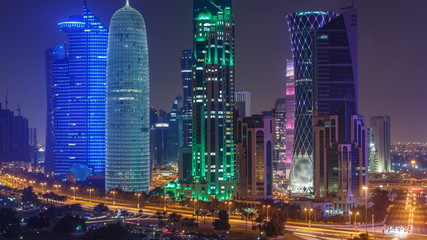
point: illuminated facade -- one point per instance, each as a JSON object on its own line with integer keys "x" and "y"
{"x": 290, "y": 114}
{"x": 128, "y": 103}
{"x": 302, "y": 27}
{"x": 341, "y": 135}
{"x": 379, "y": 137}
{"x": 76, "y": 98}
{"x": 255, "y": 148}
{"x": 213, "y": 160}
{"x": 187, "y": 63}
{"x": 279, "y": 159}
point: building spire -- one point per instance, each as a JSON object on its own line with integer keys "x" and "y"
{"x": 127, "y": 3}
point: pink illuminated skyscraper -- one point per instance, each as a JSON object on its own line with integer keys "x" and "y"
{"x": 290, "y": 113}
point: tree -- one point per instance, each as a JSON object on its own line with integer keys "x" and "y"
{"x": 38, "y": 222}
{"x": 70, "y": 224}
{"x": 175, "y": 220}
{"x": 110, "y": 232}
{"x": 276, "y": 225}
{"x": 100, "y": 208}
{"x": 28, "y": 196}
{"x": 9, "y": 223}
{"x": 222, "y": 223}
{"x": 362, "y": 236}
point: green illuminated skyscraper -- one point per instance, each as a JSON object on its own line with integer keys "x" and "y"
{"x": 213, "y": 156}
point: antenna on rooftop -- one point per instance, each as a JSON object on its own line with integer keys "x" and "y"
{"x": 7, "y": 95}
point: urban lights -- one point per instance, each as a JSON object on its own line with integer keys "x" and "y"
{"x": 75, "y": 189}
{"x": 114, "y": 197}
{"x": 43, "y": 184}
{"x": 90, "y": 190}
{"x": 365, "y": 188}
{"x": 138, "y": 195}
{"x": 267, "y": 207}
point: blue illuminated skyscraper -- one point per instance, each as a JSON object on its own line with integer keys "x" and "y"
{"x": 302, "y": 27}
{"x": 128, "y": 103}
{"x": 76, "y": 98}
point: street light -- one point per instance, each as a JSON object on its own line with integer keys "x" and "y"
{"x": 43, "y": 184}
{"x": 138, "y": 195}
{"x": 229, "y": 207}
{"x": 114, "y": 197}
{"x": 57, "y": 186}
{"x": 75, "y": 189}
{"x": 90, "y": 190}
{"x": 194, "y": 204}
{"x": 266, "y": 206}
{"x": 366, "y": 207}
{"x": 413, "y": 162}
{"x": 32, "y": 182}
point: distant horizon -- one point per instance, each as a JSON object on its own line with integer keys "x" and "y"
{"x": 390, "y": 80}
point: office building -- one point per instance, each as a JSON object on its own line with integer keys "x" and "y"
{"x": 14, "y": 137}
{"x": 187, "y": 63}
{"x": 341, "y": 167}
{"x": 302, "y": 28}
{"x": 75, "y": 133}
{"x": 290, "y": 114}
{"x": 279, "y": 157}
{"x": 243, "y": 103}
{"x": 128, "y": 103}
{"x": 341, "y": 135}
{"x": 380, "y": 146}
{"x": 175, "y": 130}
{"x": 255, "y": 148}
{"x": 213, "y": 157}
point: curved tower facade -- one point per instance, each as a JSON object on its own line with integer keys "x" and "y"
{"x": 302, "y": 27}
{"x": 128, "y": 103}
{"x": 75, "y": 70}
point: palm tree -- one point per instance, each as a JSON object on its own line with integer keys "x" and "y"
{"x": 204, "y": 216}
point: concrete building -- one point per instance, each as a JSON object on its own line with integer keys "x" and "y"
{"x": 255, "y": 143}
{"x": 379, "y": 143}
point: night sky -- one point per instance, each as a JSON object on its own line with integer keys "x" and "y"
{"x": 393, "y": 52}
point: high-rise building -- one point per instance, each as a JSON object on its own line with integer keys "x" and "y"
{"x": 243, "y": 103}
{"x": 175, "y": 130}
{"x": 290, "y": 114}
{"x": 302, "y": 28}
{"x": 279, "y": 157}
{"x": 128, "y": 103}
{"x": 213, "y": 166}
{"x": 341, "y": 135}
{"x": 14, "y": 137}
{"x": 341, "y": 167}
{"x": 254, "y": 147}
{"x": 187, "y": 63}
{"x": 75, "y": 136}
{"x": 379, "y": 138}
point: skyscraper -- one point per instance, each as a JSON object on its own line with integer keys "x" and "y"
{"x": 302, "y": 27}
{"x": 290, "y": 113}
{"x": 244, "y": 103}
{"x": 341, "y": 149}
{"x": 14, "y": 137}
{"x": 128, "y": 103}
{"x": 379, "y": 138}
{"x": 175, "y": 130}
{"x": 254, "y": 147}
{"x": 279, "y": 158}
{"x": 187, "y": 77}
{"x": 213, "y": 160}
{"x": 75, "y": 137}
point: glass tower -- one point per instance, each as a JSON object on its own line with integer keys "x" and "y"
{"x": 213, "y": 157}
{"x": 128, "y": 103}
{"x": 76, "y": 98}
{"x": 187, "y": 77}
{"x": 302, "y": 27}
{"x": 290, "y": 113}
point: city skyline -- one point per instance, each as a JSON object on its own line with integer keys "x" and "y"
{"x": 376, "y": 34}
